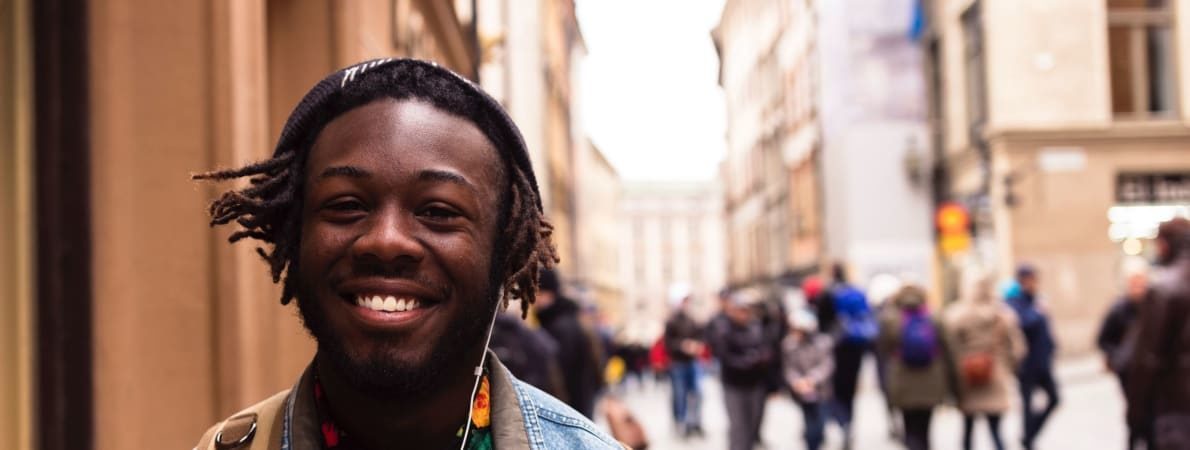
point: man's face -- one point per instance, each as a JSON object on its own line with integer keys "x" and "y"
{"x": 1136, "y": 285}
{"x": 544, "y": 299}
{"x": 740, "y": 314}
{"x": 1028, "y": 283}
{"x": 400, "y": 206}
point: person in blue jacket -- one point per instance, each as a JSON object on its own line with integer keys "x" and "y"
{"x": 1037, "y": 370}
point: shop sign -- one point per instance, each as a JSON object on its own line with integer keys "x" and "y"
{"x": 1062, "y": 159}
{"x": 1153, "y": 188}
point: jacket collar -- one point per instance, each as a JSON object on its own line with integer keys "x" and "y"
{"x": 300, "y": 427}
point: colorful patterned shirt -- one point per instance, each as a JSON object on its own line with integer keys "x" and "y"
{"x": 479, "y": 438}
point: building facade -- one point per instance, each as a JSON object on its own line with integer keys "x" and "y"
{"x": 826, "y": 113}
{"x": 673, "y": 236}
{"x": 140, "y": 325}
{"x": 1067, "y": 138}
{"x": 598, "y": 233}
{"x": 875, "y": 140}
{"x": 772, "y": 197}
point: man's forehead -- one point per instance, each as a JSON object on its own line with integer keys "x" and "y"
{"x": 406, "y": 134}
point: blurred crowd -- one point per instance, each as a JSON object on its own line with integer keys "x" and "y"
{"x": 977, "y": 352}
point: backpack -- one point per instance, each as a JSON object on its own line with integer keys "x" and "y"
{"x": 856, "y": 321}
{"x": 919, "y": 340}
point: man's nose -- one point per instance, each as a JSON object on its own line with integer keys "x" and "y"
{"x": 390, "y": 238}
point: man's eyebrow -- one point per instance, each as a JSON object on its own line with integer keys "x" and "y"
{"x": 443, "y": 176}
{"x": 344, "y": 171}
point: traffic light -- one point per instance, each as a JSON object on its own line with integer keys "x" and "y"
{"x": 954, "y": 228}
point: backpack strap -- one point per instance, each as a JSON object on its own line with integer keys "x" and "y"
{"x": 254, "y": 428}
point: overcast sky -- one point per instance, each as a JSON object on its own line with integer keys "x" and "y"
{"x": 650, "y": 98}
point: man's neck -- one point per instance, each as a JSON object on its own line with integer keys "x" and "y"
{"x": 431, "y": 421}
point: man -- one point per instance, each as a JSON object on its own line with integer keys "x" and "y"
{"x": 844, "y": 313}
{"x": 1159, "y": 372}
{"x": 1117, "y": 351}
{"x": 1037, "y": 370}
{"x": 738, "y": 340}
{"x": 683, "y": 342}
{"x": 401, "y": 212}
{"x": 579, "y": 352}
{"x": 530, "y": 354}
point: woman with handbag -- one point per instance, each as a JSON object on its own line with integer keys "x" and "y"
{"x": 986, "y": 346}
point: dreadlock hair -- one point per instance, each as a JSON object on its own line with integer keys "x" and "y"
{"x": 269, "y": 208}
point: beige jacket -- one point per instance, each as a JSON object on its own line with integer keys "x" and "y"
{"x": 983, "y": 323}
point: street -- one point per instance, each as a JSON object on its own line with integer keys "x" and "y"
{"x": 1090, "y": 416}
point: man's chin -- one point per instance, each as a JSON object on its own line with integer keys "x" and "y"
{"x": 381, "y": 375}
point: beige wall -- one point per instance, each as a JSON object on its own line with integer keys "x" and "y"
{"x": 1182, "y": 50}
{"x": 1043, "y": 71}
{"x": 1061, "y": 223}
{"x": 16, "y": 217}
{"x": 187, "y": 328}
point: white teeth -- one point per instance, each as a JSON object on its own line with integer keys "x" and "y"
{"x": 387, "y": 303}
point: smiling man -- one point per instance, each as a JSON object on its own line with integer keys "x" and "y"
{"x": 401, "y": 211}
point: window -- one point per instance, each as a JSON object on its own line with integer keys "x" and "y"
{"x": 974, "y": 64}
{"x": 1140, "y": 46}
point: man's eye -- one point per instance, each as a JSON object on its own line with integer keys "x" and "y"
{"x": 345, "y": 205}
{"x": 439, "y": 213}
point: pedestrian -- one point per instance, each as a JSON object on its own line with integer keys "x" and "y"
{"x": 580, "y": 354}
{"x": 400, "y": 210}
{"x": 1159, "y": 371}
{"x": 807, "y": 365}
{"x": 530, "y": 354}
{"x": 880, "y": 290}
{"x": 684, "y": 343}
{"x": 918, "y": 365}
{"x": 1037, "y": 370}
{"x": 849, "y": 319}
{"x": 1120, "y": 319}
{"x": 986, "y": 345}
{"x": 738, "y": 340}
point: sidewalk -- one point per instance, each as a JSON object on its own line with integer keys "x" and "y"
{"x": 1090, "y": 416}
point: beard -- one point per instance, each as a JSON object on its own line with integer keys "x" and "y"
{"x": 381, "y": 375}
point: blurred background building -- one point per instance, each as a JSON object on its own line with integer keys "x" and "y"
{"x": 771, "y": 171}
{"x": 672, "y": 238}
{"x": 1066, "y": 139}
{"x": 827, "y": 140}
{"x": 876, "y": 196}
{"x": 599, "y": 193}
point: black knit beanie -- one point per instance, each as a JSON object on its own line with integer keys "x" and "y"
{"x": 359, "y": 84}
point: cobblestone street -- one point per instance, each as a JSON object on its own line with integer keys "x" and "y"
{"x": 1090, "y": 416}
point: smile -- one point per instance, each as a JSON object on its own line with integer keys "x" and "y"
{"x": 387, "y": 303}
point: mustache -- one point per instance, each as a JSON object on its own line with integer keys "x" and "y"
{"x": 370, "y": 269}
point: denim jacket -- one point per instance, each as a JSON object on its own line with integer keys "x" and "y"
{"x": 523, "y": 417}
